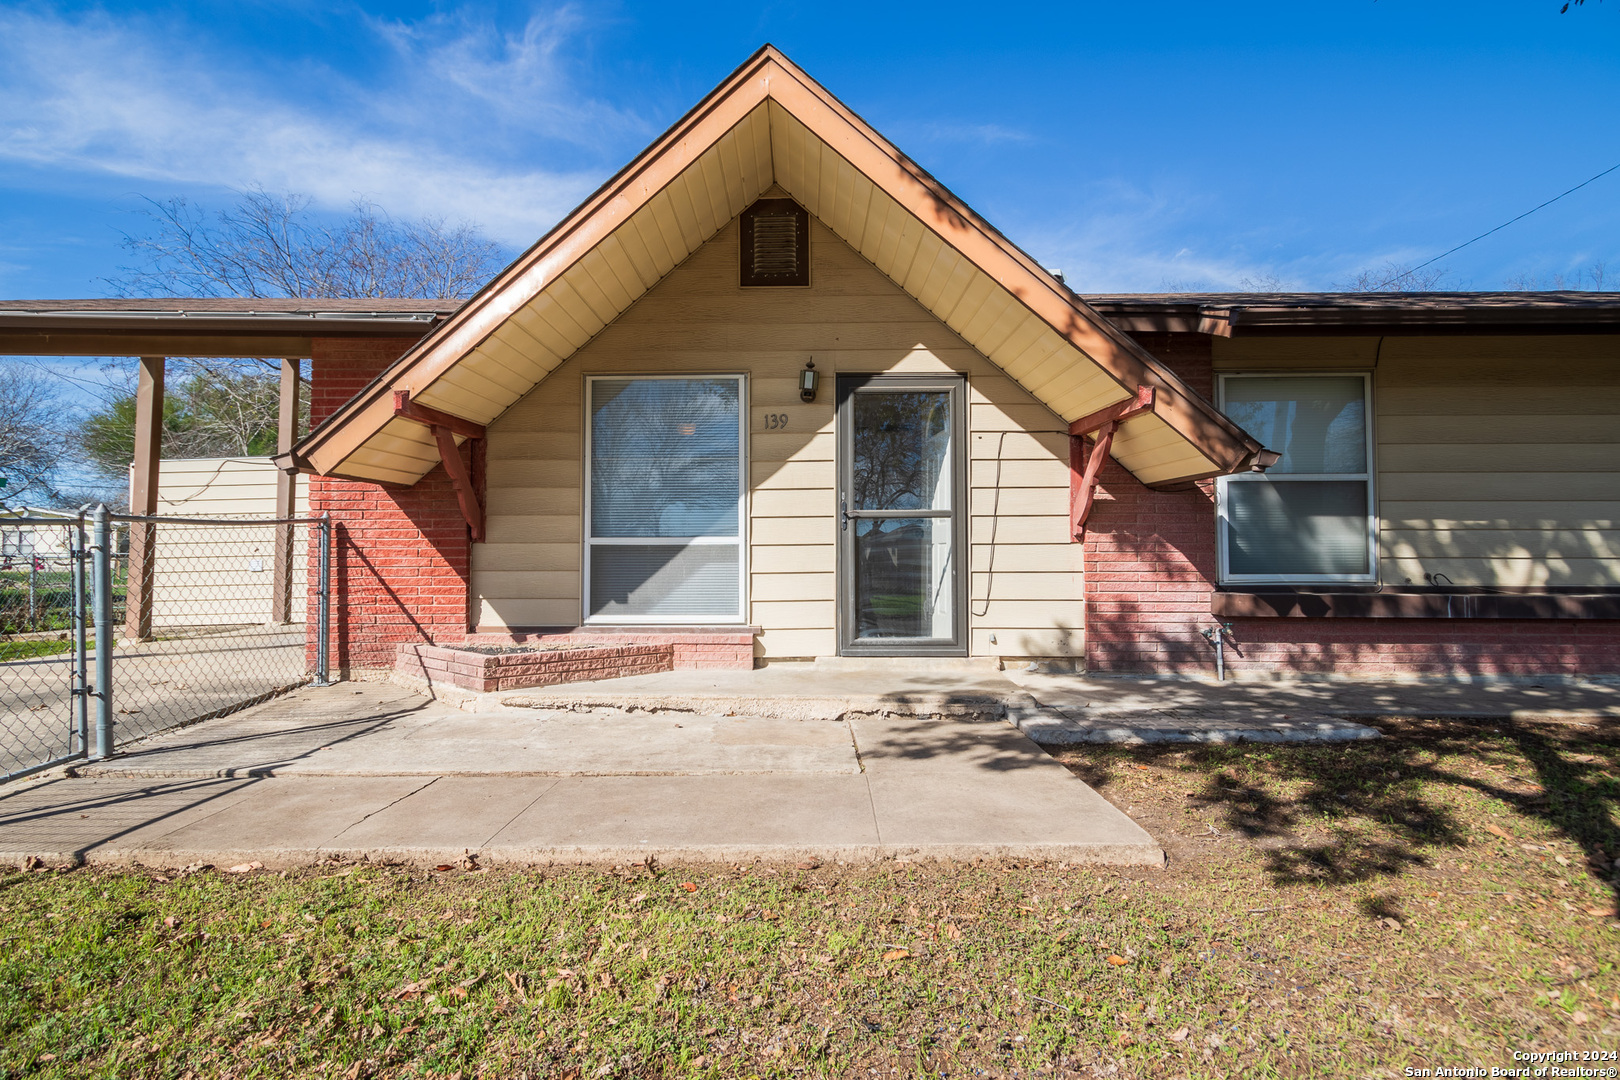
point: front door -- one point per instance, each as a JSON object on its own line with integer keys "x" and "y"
{"x": 901, "y": 494}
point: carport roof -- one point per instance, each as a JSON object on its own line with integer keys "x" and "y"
{"x": 770, "y": 124}
{"x": 205, "y": 326}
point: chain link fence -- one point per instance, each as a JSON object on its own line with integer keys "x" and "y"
{"x": 203, "y": 616}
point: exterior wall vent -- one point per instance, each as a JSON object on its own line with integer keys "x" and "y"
{"x": 775, "y": 243}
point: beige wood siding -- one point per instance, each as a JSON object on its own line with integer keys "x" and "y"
{"x": 1025, "y": 585}
{"x": 1498, "y": 458}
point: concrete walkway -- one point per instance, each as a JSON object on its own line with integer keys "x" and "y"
{"x": 1068, "y": 709}
{"x": 845, "y": 761}
{"x": 372, "y": 771}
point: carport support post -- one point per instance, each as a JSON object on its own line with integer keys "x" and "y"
{"x": 286, "y": 492}
{"x": 143, "y": 491}
{"x": 101, "y": 550}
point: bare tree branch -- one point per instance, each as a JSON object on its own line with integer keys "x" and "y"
{"x": 272, "y": 245}
{"x": 1394, "y": 277}
{"x": 33, "y": 440}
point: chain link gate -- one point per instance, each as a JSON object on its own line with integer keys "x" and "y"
{"x": 43, "y": 644}
{"x": 204, "y": 616}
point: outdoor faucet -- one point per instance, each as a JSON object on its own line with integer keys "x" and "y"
{"x": 1216, "y": 636}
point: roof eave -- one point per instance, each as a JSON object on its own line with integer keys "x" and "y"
{"x": 770, "y": 76}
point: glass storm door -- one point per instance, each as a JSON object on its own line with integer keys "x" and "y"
{"x": 901, "y": 494}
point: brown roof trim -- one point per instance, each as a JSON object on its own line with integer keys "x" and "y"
{"x": 1253, "y": 314}
{"x": 1130, "y": 365}
{"x": 233, "y": 305}
{"x": 770, "y": 75}
{"x": 208, "y": 326}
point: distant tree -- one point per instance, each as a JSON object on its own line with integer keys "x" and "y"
{"x": 1394, "y": 277}
{"x": 1185, "y": 285}
{"x": 1265, "y": 283}
{"x": 1589, "y": 280}
{"x": 214, "y": 409}
{"x": 33, "y": 443}
{"x": 270, "y": 245}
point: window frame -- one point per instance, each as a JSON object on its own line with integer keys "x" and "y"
{"x": 587, "y": 540}
{"x": 1369, "y": 476}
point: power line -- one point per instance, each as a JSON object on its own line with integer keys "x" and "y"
{"x": 1505, "y": 224}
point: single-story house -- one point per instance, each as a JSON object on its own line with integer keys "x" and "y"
{"x": 44, "y": 544}
{"x": 774, "y": 393}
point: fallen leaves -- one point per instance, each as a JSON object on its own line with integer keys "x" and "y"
{"x": 897, "y": 954}
{"x": 245, "y": 868}
{"x": 1602, "y": 912}
{"x": 408, "y": 991}
{"x": 689, "y": 886}
{"x": 1497, "y": 830}
{"x": 1118, "y": 961}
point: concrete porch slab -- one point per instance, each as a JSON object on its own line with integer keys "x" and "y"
{"x": 257, "y": 786}
{"x": 376, "y": 729}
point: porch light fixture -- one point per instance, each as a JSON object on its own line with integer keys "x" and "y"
{"x": 807, "y": 382}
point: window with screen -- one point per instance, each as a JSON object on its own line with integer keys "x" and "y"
{"x": 664, "y": 510}
{"x": 1309, "y": 518}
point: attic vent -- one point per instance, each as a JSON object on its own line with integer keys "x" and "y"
{"x": 775, "y": 243}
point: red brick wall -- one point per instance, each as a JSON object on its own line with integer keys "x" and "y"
{"x": 400, "y": 561}
{"x": 1151, "y": 565}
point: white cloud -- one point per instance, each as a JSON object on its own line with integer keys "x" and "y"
{"x": 1166, "y": 236}
{"x": 978, "y": 134}
{"x": 124, "y": 97}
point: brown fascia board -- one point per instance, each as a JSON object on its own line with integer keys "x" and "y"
{"x": 769, "y": 74}
{"x": 1293, "y": 314}
{"x": 147, "y": 333}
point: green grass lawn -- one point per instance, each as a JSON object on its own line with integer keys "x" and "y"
{"x": 1440, "y": 897}
{"x": 28, "y": 648}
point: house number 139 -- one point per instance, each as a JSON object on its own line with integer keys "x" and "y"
{"x": 774, "y": 420}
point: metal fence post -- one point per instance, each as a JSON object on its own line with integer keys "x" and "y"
{"x": 323, "y": 596}
{"x": 81, "y": 618}
{"x": 101, "y": 545}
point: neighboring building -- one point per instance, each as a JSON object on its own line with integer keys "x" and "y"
{"x": 220, "y": 575}
{"x": 47, "y": 543}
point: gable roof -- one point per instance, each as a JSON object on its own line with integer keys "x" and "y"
{"x": 769, "y": 123}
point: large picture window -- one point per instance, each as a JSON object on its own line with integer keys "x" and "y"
{"x": 1309, "y": 518}
{"x": 664, "y": 506}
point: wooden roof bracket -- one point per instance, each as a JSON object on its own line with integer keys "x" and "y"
{"x": 1083, "y": 478}
{"x": 445, "y": 428}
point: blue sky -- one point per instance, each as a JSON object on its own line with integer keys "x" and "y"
{"x": 1138, "y": 146}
